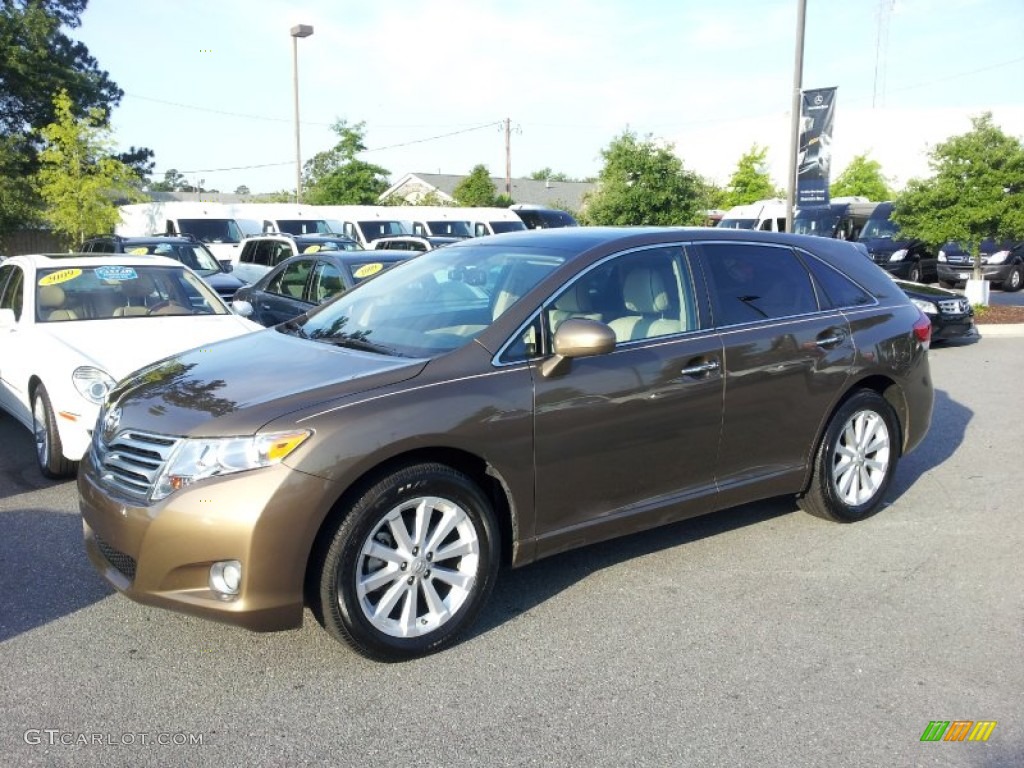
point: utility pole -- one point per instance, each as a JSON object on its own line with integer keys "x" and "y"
{"x": 794, "y": 139}
{"x": 508, "y": 156}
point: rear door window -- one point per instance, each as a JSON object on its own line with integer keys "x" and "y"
{"x": 752, "y": 282}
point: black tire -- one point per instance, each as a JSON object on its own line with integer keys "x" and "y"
{"x": 914, "y": 273}
{"x": 420, "y": 611}
{"x": 855, "y": 492}
{"x": 49, "y": 451}
{"x": 1015, "y": 280}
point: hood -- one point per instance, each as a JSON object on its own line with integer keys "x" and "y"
{"x": 123, "y": 345}
{"x": 884, "y": 244}
{"x": 238, "y": 386}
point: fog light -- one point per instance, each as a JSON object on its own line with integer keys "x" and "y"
{"x": 226, "y": 577}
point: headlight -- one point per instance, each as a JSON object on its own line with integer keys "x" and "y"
{"x": 199, "y": 458}
{"x": 926, "y": 306}
{"x": 998, "y": 257}
{"x": 942, "y": 255}
{"x": 92, "y": 383}
{"x": 899, "y": 255}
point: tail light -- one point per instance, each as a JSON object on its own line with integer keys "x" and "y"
{"x": 923, "y": 329}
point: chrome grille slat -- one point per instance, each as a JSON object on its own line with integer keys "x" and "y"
{"x": 132, "y": 461}
{"x": 957, "y": 306}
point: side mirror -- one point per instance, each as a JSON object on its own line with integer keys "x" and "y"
{"x": 227, "y": 266}
{"x": 7, "y": 318}
{"x": 242, "y": 307}
{"x": 578, "y": 337}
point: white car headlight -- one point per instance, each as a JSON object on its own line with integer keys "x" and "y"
{"x": 92, "y": 383}
{"x": 998, "y": 257}
{"x": 942, "y": 255}
{"x": 926, "y": 306}
{"x": 898, "y": 255}
{"x": 196, "y": 459}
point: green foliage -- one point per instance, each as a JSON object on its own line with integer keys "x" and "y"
{"x": 241, "y": 189}
{"x": 862, "y": 177}
{"x": 477, "y": 189}
{"x": 20, "y": 205}
{"x": 337, "y": 177}
{"x": 78, "y": 178}
{"x": 172, "y": 182}
{"x": 976, "y": 190}
{"x": 750, "y": 181}
{"x": 546, "y": 174}
{"x": 643, "y": 183}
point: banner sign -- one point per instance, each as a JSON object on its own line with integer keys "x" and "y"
{"x": 817, "y": 113}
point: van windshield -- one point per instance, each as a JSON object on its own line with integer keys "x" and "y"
{"x": 815, "y": 221}
{"x": 506, "y": 226}
{"x": 453, "y": 228}
{"x": 883, "y": 228}
{"x": 373, "y": 229}
{"x": 211, "y": 230}
{"x": 738, "y": 223}
{"x": 305, "y": 226}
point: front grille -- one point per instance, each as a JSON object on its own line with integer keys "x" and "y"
{"x": 958, "y": 259}
{"x": 122, "y": 562}
{"x": 954, "y": 306}
{"x": 132, "y": 461}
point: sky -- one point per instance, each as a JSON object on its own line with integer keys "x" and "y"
{"x": 208, "y": 83}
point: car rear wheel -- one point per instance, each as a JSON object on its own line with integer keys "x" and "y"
{"x": 411, "y": 565}
{"x": 856, "y": 460}
{"x": 1014, "y": 280}
{"x": 49, "y": 451}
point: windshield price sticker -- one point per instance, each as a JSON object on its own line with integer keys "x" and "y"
{"x": 312, "y": 249}
{"x": 137, "y": 251}
{"x": 368, "y": 269}
{"x": 116, "y": 274}
{"x": 60, "y": 276}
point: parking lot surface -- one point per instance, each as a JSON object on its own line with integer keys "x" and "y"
{"x": 757, "y": 636}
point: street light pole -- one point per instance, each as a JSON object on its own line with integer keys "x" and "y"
{"x": 299, "y": 30}
{"x": 794, "y": 131}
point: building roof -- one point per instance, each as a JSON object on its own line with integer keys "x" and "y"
{"x": 553, "y": 194}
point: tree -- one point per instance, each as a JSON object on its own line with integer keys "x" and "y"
{"x": 172, "y": 182}
{"x": 750, "y": 181}
{"x": 78, "y": 177}
{"x": 546, "y": 174}
{"x": 19, "y": 204}
{"x": 976, "y": 191}
{"x": 139, "y": 160}
{"x": 241, "y": 189}
{"x": 477, "y": 189}
{"x": 862, "y": 177}
{"x": 643, "y": 183}
{"x": 337, "y": 177}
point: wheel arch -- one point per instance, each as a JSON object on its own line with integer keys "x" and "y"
{"x": 479, "y": 470}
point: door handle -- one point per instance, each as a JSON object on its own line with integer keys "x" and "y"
{"x": 830, "y": 341}
{"x": 700, "y": 368}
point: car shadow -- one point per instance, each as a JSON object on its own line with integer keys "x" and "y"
{"x": 946, "y": 433}
{"x": 517, "y": 591}
{"x": 44, "y": 571}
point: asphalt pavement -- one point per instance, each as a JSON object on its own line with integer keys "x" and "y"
{"x": 757, "y": 636}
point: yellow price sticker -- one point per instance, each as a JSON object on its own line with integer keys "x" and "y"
{"x": 368, "y": 269}
{"x": 312, "y": 249}
{"x": 60, "y": 276}
{"x": 137, "y": 251}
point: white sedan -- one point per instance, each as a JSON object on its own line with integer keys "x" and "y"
{"x": 71, "y": 326}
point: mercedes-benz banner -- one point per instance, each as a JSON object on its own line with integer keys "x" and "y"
{"x": 816, "y": 115}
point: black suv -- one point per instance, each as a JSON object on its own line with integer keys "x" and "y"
{"x": 184, "y": 248}
{"x": 901, "y": 256}
{"x": 1002, "y": 263}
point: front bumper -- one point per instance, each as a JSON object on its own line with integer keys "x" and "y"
{"x": 959, "y": 273}
{"x": 945, "y": 327}
{"x": 161, "y": 554}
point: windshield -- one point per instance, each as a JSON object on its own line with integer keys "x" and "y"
{"x": 429, "y": 305}
{"x": 211, "y": 230}
{"x": 192, "y": 256}
{"x": 455, "y": 228}
{"x": 305, "y": 227}
{"x": 738, "y": 223}
{"x": 506, "y": 226}
{"x": 373, "y": 229}
{"x": 317, "y": 245}
{"x": 114, "y": 291}
{"x": 882, "y": 227}
{"x": 815, "y": 221}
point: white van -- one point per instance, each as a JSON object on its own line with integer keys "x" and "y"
{"x": 492, "y": 221}
{"x": 434, "y": 220}
{"x": 284, "y": 217}
{"x": 363, "y": 223}
{"x": 764, "y": 215}
{"x": 213, "y": 224}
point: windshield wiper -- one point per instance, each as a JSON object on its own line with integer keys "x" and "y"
{"x": 361, "y": 344}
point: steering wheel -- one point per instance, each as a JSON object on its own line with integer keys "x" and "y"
{"x": 168, "y": 307}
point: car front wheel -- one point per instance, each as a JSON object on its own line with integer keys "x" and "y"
{"x": 1014, "y": 280}
{"x": 49, "y": 452}
{"x": 856, "y": 460}
{"x": 411, "y": 565}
